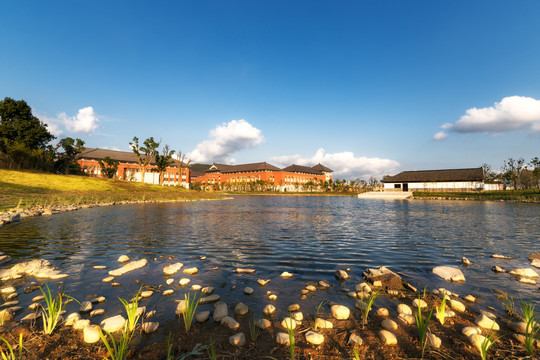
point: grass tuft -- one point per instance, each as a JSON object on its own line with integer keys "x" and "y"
{"x": 188, "y": 312}
{"x": 366, "y": 307}
{"x": 9, "y": 353}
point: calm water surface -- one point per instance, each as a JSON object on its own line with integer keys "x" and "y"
{"x": 310, "y": 237}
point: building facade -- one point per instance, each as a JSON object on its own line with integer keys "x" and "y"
{"x": 262, "y": 176}
{"x": 128, "y": 169}
{"x": 471, "y": 179}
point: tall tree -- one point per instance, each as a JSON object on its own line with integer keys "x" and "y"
{"x": 181, "y": 164}
{"x": 23, "y": 137}
{"x": 535, "y": 170}
{"x": 163, "y": 161}
{"x": 489, "y": 174}
{"x": 512, "y": 171}
{"x": 109, "y": 167}
{"x": 145, "y": 153}
{"x": 72, "y": 148}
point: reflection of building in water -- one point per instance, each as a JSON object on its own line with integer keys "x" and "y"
{"x": 262, "y": 176}
{"x": 440, "y": 180}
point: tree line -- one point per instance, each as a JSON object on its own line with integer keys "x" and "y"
{"x": 516, "y": 173}
{"x": 25, "y": 142}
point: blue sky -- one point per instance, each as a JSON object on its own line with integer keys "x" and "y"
{"x": 361, "y": 86}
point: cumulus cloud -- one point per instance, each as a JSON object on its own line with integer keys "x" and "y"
{"x": 344, "y": 164}
{"x": 510, "y": 114}
{"x": 440, "y": 136}
{"x": 53, "y": 124}
{"x": 225, "y": 140}
{"x": 85, "y": 121}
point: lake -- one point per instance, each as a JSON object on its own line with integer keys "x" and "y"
{"x": 310, "y": 237}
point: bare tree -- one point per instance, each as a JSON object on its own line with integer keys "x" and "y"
{"x": 182, "y": 164}
{"x": 512, "y": 171}
{"x": 163, "y": 162}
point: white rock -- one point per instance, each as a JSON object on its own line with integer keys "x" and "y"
{"x": 207, "y": 290}
{"x": 470, "y": 330}
{"x": 323, "y": 324}
{"x": 311, "y": 288}
{"x": 433, "y": 340}
{"x": 38, "y": 268}
{"x": 169, "y": 281}
{"x": 272, "y": 297}
{"x": 262, "y": 282}
{"x": 536, "y": 263}
{"x": 498, "y": 269}
{"x": 323, "y": 284}
{"x": 210, "y": 299}
{"x": 457, "y": 305}
{"x": 470, "y": 298}
{"x": 172, "y": 269}
{"x": 238, "y": 339}
{"x": 196, "y": 287}
{"x": 449, "y": 273}
{"x": 389, "y": 325}
{"x": 202, "y": 316}
{"x": 288, "y": 323}
{"x": 150, "y": 314}
{"x": 241, "y": 309}
{"x": 184, "y": 282}
{"x": 382, "y": 312}
{"x": 97, "y": 312}
{"x": 497, "y": 256}
{"x": 363, "y": 287}
{"x": 340, "y": 312}
{"x": 477, "y": 340}
{"x": 404, "y": 309}
{"x": 298, "y": 316}
{"x": 70, "y": 320}
{"x": 286, "y": 275}
{"x": 245, "y": 271}
{"x": 387, "y": 337}
{"x": 113, "y": 323}
{"x": 314, "y": 338}
{"x": 81, "y": 324}
{"x": 355, "y": 340}
{"x": 341, "y": 275}
{"x": 167, "y": 292}
{"x": 7, "y": 290}
{"x": 191, "y": 271}
{"x": 85, "y": 306}
{"x": 526, "y": 273}
{"x": 519, "y": 327}
{"x": 91, "y": 334}
{"x": 146, "y": 294}
{"x": 220, "y": 311}
{"x": 528, "y": 281}
{"x": 123, "y": 259}
{"x": 351, "y": 294}
{"x": 283, "y": 339}
{"x": 465, "y": 261}
{"x": 99, "y": 267}
{"x": 248, "y": 290}
{"x": 269, "y": 309}
{"x": 149, "y": 327}
{"x": 230, "y": 322}
{"x": 108, "y": 279}
{"x": 33, "y": 317}
{"x": 263, "y": 323}
{"x": 486, "y": 323}
{"x": 293, "y": 307}
{"x": 406, "y": 319}
{"x": 6, "y": 316}
{"x": 417, "y": 302}
{"x": 134, "y": 265}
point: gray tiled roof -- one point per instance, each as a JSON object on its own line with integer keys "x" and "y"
{"x": 472, "y": 174}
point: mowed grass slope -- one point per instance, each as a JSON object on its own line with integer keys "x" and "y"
{"x": 26, "y": 189}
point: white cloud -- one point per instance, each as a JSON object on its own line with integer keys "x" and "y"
{"x": 510, "y": 114}
{"x": 53, "y": 125}
{"x": 86, "y": 121}
{"x": 344, "y": 164}
{"x": 440, "y": 136}
{"x": 225, "y": 140}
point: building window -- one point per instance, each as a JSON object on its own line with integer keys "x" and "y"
{"x": 397, "y": 186}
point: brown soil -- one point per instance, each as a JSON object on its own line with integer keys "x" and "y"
{"x": 68, "y": 344}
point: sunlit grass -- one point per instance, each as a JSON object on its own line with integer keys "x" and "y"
{"x": 9, "y": 353}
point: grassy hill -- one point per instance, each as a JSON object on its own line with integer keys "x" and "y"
{"x": 26, "y": 189}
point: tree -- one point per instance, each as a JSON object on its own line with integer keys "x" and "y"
{"x": 181, "y": 164}
{"x": 23, "y": 137}
{"x": 512, "y": 171}
{"x": 373, "y": 182}
{"x": 163, "y": 161}
{"x": 535, "y": 170}
{"x": 109, "y": 167}
{"x": 489, "y": 174}
{"x": 72, "y": 148}
{"x": 145, "y": 154}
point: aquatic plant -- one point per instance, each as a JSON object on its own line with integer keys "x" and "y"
{"x": 356, "y": 353}
{"x": 422, "y": 326}
{"x": 253, "y": 329}
{"x": 170, "y": 355}
{"x": 527, "y": 309}
{"x": 211, "y": 350}
{"x": 441, "y": 310}
{"x": 117, "y": 350}
{"x": 9, "y": 354}
{"x": 131, "y": 311}
{"x": 197, "y": 350}
{"x": 366, "y": 307}
{"x": 509, "y": 305}
{"x": 52, "y": 314}
{"x": 190, "y": 306}
{"x": 316, "y": 316}
{"x": 292, "y": 344}
{"x": 488, "y": 342}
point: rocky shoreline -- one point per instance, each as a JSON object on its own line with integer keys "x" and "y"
{"x": 334, "y": 329}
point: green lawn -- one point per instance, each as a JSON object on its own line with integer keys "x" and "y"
{"x": 531, "y": 195}
{"x": 25, "y": 189}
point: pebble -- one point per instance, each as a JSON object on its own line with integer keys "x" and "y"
{"x": 262, "y": 282}
{"x": 123, "y": 258}
{"x": 363, "y": 287}
{"x": 34, "y": 306}
{"x": 362, "y": 295}
{"x": 80, "y": 324}
{"x": 283, "y": 338}
{"x": 207, "y": 290}
{"x": 150, "y": 314}
{"x": 470, "y": 298}
{"x": 519, "y": 327}
{"x": 387, "y": 337}
{"x": 311, "y": 288}
{"x": 220, "y": 311}
{"x": 85, "y": 306}
{"x": 7, "y": 290}
{"x": 210, "y": 299}
{"x": 172, "y": 269}
{"x": 457, "y": 305}
{"x": 108, "y": 279}
{"x": 202, "y": 316}
{"x": 304, "y": 291}
{"x": 238, "y": 339}
{"x": 497, "y": 256}
{"x": 149, "y": 327}
{"x": 389, "y": 325}
{"x": 99, "y": 267}
{"x": 115, "y": 284}
{"x": 314, "y": 338}
{"x": 33, "y": 317}
{"x": 263, "y": 323}
{"x": 245, "y": 271}
{"x": 184, "y": 281}
{"x": 230, "y": 322}
{"x": 293, "y": 307}
{"x": 351, "y": 294}
{"x": 91, "y": 334}
{"x": 383, "y": 312}
{"x": 470, "y": 330}
{"x": 519, "y": 338}
{"x": 269, "y": 309}
{"x": 196, "y": 287}
{"x": 419, "y": 302}
{"x": 477, "y": 340}
{"x": 248, "y": 290}
{"x": 168, "y": 292}
{"x": 498, "y": 269}
{"x": 191, "y": 271}
{"x": 485, "y": 322}
{"x": 146, "y": 294}
{"x": 169, "y": 281}
{"x": 449, "y": 273}
{"x": 341, "y": 275}
{"x": 355, "y": 340}
{"x": 241, "y": 309}
{"x": 298, "y": 316}
{"x": 465, "y": 261}
{"x": 288, "y": 323}
{"x": 272, "y": 297}
{"x": 433, "y": 340}
{"x": 323, "y": 324}
{"x": 113, "y": 323}
{"x": 340, "y": 312}
{"x": 286, "y": 275}
{"x": 6, "y": 316}
{"x": 97, "y": 312}
{"x": 323, "y": 284}
{"x": 406, "y": 318}
{"x": 524, "y": 273}
{"x": 404, "y": 309}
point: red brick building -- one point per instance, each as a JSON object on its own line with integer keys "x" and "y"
{"x": 128, "y": 169}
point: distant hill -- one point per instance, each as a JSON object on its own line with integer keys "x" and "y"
{"x": 199, "y": 167}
